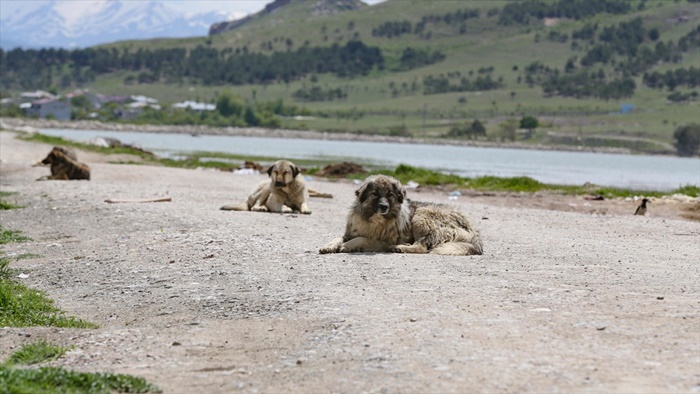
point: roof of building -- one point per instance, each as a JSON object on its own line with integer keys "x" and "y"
{"x": 195, "y": 106}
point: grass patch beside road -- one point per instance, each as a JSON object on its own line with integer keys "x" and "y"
{"x": 7, "y": 236}
{"x": 58, "y": 380}
{"x": 50, "y": 380}
{"x": 21, "y": 306}
{"x": 4, "y": 205}
{"x": 36, "y": 353}
{"x": 24, "y": 307}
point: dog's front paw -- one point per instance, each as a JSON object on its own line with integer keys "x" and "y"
{"x": 286, "y": 209}
{"x": 397, "y": 249}
{"x": 332, "y": 247}
{"x": 305, "y": 212}
{"x": 259, "y": 208}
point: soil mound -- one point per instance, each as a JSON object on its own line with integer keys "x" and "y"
{"x": 341, "y": 169}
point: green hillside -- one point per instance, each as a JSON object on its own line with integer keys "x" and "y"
{"x": 486, "y": 60}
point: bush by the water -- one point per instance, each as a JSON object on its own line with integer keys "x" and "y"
{"x": 687, "y": 139}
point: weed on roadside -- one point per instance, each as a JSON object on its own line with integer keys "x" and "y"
{"x": 26, "y": 256}
{"x": 59, "y": 380}
{"x": 4, "y": 205}
{"x": 7, "y": 236}
{"x": 24, "y": 307}
{"x": 37, "y": 352}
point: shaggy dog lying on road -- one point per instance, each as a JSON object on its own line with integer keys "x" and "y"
{"x": 285, "y": 192}
{"x": 64, "y": 165}
{"x": 382, "y": 219}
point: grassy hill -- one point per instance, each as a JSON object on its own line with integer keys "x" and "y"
{"x": 389, "y": 100}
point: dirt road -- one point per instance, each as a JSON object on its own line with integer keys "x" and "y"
{"x": 196, "y": 299}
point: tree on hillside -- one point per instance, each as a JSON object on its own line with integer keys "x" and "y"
{"x": 472, "y": 131}
{"x": 477, "y": 128}
{"x": 530, "y": 123}
{"x": 507, "y": 129}
{"x": 229, "y": 105}
{"x": 687, "y": 139}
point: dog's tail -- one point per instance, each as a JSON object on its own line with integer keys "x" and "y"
{"x": 237, "y": 207}
{"x": 466, "y": 247}
{"x": 457, "y": 249}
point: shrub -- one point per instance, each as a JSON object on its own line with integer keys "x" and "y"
{"x": 687, "y": 139}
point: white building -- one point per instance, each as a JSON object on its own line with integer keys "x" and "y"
{"x": 195, "y": 106}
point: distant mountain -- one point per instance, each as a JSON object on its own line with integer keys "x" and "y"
{"x": 313, "y": 8}
{"x": 52, "y": 25}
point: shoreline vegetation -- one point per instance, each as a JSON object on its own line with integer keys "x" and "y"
{"x": 405, "y": 173}
{"x": 27, "y": 124}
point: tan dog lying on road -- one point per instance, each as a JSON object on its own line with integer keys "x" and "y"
{"x": 382, "y": 219}
{"x": 285, "y": 192}
{"x": 64, "y": 165}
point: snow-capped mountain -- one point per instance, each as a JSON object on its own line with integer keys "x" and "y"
{"x": 60, "y": 23}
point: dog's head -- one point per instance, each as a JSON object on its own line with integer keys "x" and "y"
{"x": 57, "y": 154}
{"x": 283, "y": 172}
{"x": 382, "y": 195}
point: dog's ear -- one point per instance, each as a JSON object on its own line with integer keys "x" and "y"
{"x": 270, "y": 169}
{"x": 295, "y": 171}
{"x": 363, "y": 192}
{"x": 399, "y": 191}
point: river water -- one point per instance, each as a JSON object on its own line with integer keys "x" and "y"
{"x": 557, "y": 167}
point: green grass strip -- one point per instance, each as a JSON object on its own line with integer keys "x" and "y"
{"x": 4, "y": 205}
{"x": 21, "y": 306}
{"x": 6, "y": 273}
{"x": 47, "y": 139}
{"x": 7, "y": 236}
{"x": 56, "y": 380}
{"x": 25, "y": 256}
{"x": 405, "y": 173}
{"x": 192, "y": 159}
{"x": 35, "y": 353}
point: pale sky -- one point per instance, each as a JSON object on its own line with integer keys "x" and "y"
{"x": 239, "y": 8}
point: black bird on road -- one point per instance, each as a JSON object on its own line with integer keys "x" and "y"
{"x": 642, "y": 208}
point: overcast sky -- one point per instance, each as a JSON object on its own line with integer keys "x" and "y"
{"x": 239, "y": 8}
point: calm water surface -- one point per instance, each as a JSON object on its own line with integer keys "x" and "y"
{"x": 570, "y": 168}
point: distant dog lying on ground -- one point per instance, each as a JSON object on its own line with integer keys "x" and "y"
{"x": 382, "y": 219}
{"x": 285, "y": 192}
{"x": 64, "y": 165}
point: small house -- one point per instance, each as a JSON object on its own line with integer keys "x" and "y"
{"x": 50, "y": 108}
{"x": 28, "y": 97}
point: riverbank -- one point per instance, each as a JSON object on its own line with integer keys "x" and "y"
{"x": 195, "y": 299}
{"x": 27, "y": 124}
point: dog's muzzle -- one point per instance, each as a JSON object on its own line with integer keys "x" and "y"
{"x": 280, "y": 184}
{"x": 383, "y": 206}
